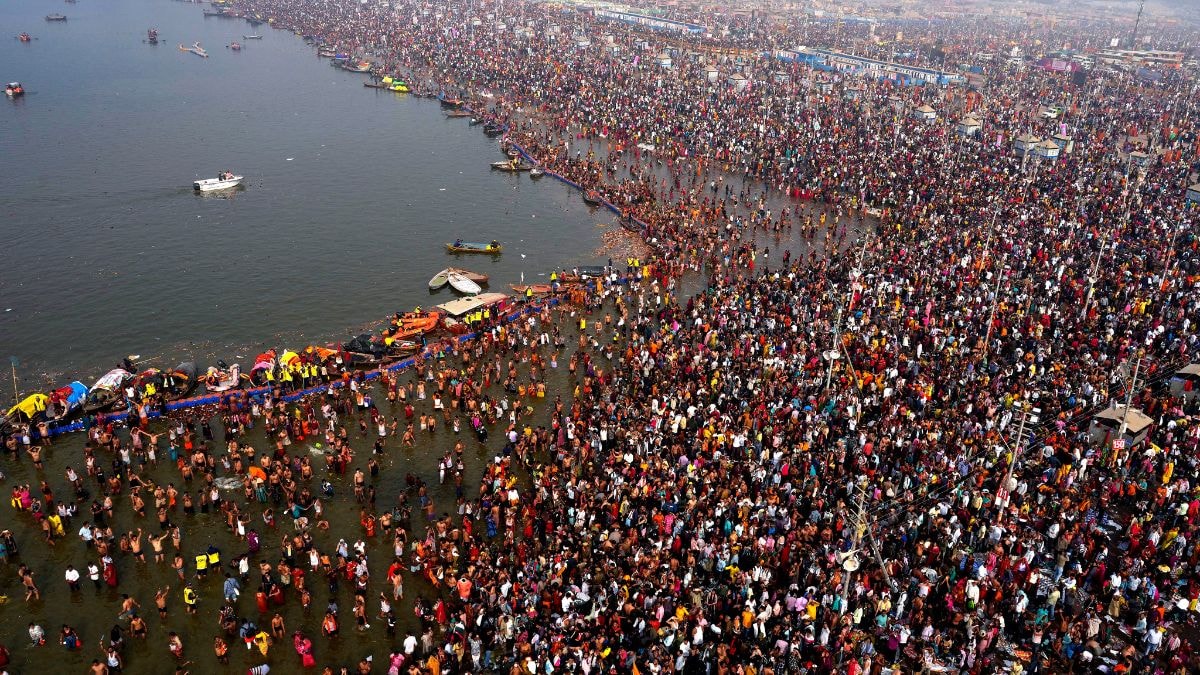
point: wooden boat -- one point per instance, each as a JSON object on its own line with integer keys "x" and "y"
{"x": 179, "y": 381}
{"x": 493, "y": 129}
{"x": 538, "y": 289}
{"x": 511, "y": 166}
{"x": 440, "y": 279}
{"x": 65, "y": 402}
{"x": 477, "y": 277}
{"x": 251, "y": 37}
{"x": 592, "y": 198}
{"x": 473, "y": 247}
{"x": 450, "y": 102}
{"x": 360, "y": 67}
{"x": 56, "y": 17}
{"x": 462, "y": 284}
{"x": 536, "y": 172}
{"x": 458, "y": 113}
{"x": 513, "y": 153}
{"x": 325, "y": 52}
{"x": 107, "y": 391}
{"x": 217, "y": 380}
{"x": 223, "y": 182}
{"x": 14, "y": 89}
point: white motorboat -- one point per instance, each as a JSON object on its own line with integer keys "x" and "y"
{"x": 462, "y": 284}
{"x": 222, "y": 182}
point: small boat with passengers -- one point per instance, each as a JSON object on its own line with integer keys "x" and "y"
{"x": 223, "y": 181}
{"x": 24, "y": 37}
{"x": 460, "y": 246}
{"x": 14, "y": 89}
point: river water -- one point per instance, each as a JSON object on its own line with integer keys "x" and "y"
{"x": 350, "y": 194}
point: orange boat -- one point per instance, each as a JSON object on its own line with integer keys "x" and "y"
{"x": 411, "y": 324}
{"x": 538, "y": 289}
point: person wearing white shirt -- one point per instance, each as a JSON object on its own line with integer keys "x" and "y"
{"x": 72, "y": 577}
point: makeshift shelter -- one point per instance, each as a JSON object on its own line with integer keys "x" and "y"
{"x": 968, "y": 126}
{"x": 1106, "y": 426}
{"x": 1186, "y": 382}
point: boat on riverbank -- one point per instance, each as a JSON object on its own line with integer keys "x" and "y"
{"x": 107, "y": 391}
{"x": 456, "y": 309}
{"x": 592, "y": 198}
{"x": 493, "y": 248}
{"x": 221, "y": 182}
{"x": 511, "y": 166}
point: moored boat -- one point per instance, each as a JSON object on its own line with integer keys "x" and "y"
{"x": 474, "y": 247}
{"x": 536, "y": 172}
{"x": 511, "y": 165}
{"x": 592, "y": 198}
{"x": 224, "y": 181}
{"x": 462, "y": 284}
{"x": 457, "y": 113}
{"x": 107, "y": 391}
{"x": 440, "y": 279}
{"x": 477, "y": 277}
{"x": 448, "y": 102}
{"x": 221, "y": 379}
{"x": 413, "y": 323}
{"x": 535, "y": 289}
{"x": 263, "y": 371}
{"x": 179, "y": 381}
{"x": 65, "y": 402}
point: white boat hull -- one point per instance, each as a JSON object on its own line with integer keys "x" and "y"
{"x": 439, "y": 280}
{"x": 463, "y": 285}
{"x": 210, "y": 184}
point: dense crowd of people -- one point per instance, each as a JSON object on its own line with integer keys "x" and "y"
{"x": 871, "y": 455}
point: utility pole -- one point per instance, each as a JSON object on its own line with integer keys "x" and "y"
{"x": 835, "y": 349}
{"x": 1137, "y": 22}
{"x": 1028, "y": 415}
{"x": 850, "y": 562}
{"x": 1133, "y": 384}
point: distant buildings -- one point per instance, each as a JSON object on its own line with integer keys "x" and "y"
{"x": 824, "y": 59}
